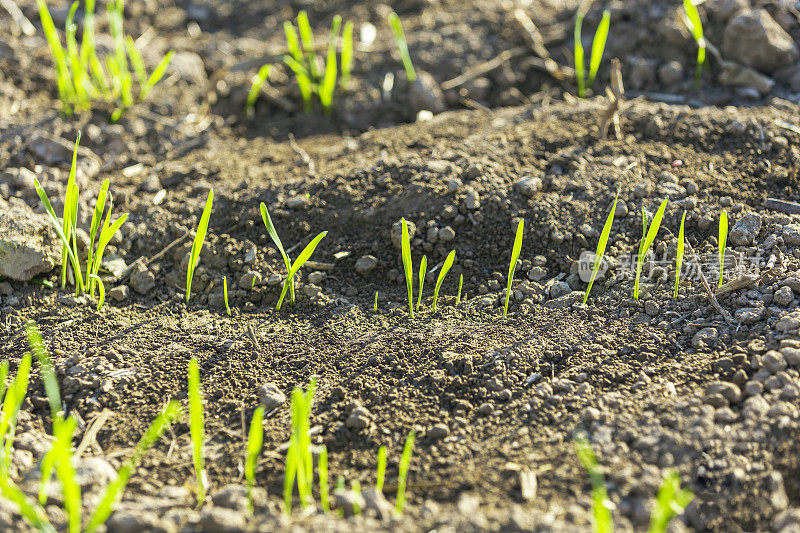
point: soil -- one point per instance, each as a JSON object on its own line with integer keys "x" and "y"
{"x": 657, "y": 383}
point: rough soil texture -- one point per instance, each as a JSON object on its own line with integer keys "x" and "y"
{"x": 657, "y": 384}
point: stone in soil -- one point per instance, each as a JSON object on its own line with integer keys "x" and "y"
{"x": 28, "y": 244}
{"x": 270, "y": 396}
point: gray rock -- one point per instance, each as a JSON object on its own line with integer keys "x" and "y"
{"x": 729, "y": 391}
{"x": 397, "y": 232}
{"x": 529, "y": 186}
{"x": 559, "y": 289}
{"x": 753, "y": 38}
{"x": 791, "y": 355}
{"x": 472, "y": 201}
{"x": 562, "y": 302}
{"x": 29, "y": 245}
{"x": 48, "y": 151}
{"x": 745, "y": 230}
{"x": 791, "y": 234}
{"x": 270, "y": 396}
{"x": 94, "y": 473}
{"x": 359, "y": 418}
{"x": 189, "y": 66}
{"x": 705, "y": 338}
{"x": 249, "y": 279}
{"x": 773, "y": 361}
{"x": 222, "y": 520}
{"x": 748, "y": 315}
{"x": 366, "y": 264}
{"x": 736, "y": 75}
{"x": 783, "y": 297}
{"x": 423, "y": 94}
{"x": 537, "y": 273}
{"x": 317, "y": 277}
{"x": 133, "y": 520}
{"x": 789, "y": 322}
{"x": 755, "y": 406}
{"x": 446, "y": 234}
{"x": 120, "y": 293}
{"x": 235, "y": 497}
{"x": 141, "y": 279}
{"x": 438, "y": 431}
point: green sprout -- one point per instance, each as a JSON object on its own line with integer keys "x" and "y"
{"x": 375, "y": 303}
{"x": 460, "y": 285}
{"x": 255, "y": 439}
{"x": 402, "y": 476}
{"x": 197, "y": 245}
{"x": 601, "y": 245}
{"x": 648, "y": 236}
{"x": 291, "y": 268}
{"x": 380, "y": 470}
{"x": 197, "y": 429}
{"x": 302, "y": 60}
{"x": 81, "y": 78}
{"x": 94, "y": 278}
{"x": 346, "y": 57}
{"x": 679, "y": 257}
{"x": 402, "y": 46}
{"x": 515, "y": 251}
{"x": 723, "y": 238}
{"x": 696, "y": 27}
{"x": 671, "y": 501}
{"x": 322, "y": 466}
{"x": 405, "y": 246}
{"x": 299, "y": 459}
{"x": 602, "y": 522}
{"x": 225, "y": 295}
{"x": 598, "y": 47}
{"x": 448, "y": 263}
{"x": 258, "y": 81}
{"x": 423, "y": 271}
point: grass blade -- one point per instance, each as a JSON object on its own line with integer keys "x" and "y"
{"x": 402, "y": 46}
{"x": 723, "y": 239}
{"x": 579, "y": 53}
{"x": 598, "y": 46}
{"x": 136, "y": 61}
{"x": 670, "y": 502}
{"x": 423, "y": 271}
{"x": 303, "y": 80}
{"x": 679, "y": 258}
{"x": 513, "y": 265}
{"x": 460, "y": 286}
{"x": 255, "y": 439}
{"x": 56, "y": 225}
{"x": 304, "y": 256}
{"x": 65, "y": 471}
{"x": 97, "y": 218}
{"x": 448, "y": 263}
{"x": 197, "y": 429}
{"x": 307, "y": 39}
{"x": 602, "y": 521}
{"x": 94, "y": 278}
{"x": 346, "y": 57}
{"x": 64, "y": 83}
{"x": 405, "y": 247}
{"x": 105, "y": 237}
{"x": 328, "y": 84}
{"x": 647, "y": 242}
{"x": 32, "y": 513}
{"x": 402, "y": 476}
{"x": 197, "y": 245}
{"x": 601, "y": 245}
{"x": 277, "y": 240}
{"x": 289, "y": 475}
{"x": 258, "y": 81}
{"x": 375, "y": 303}
{"x": 225, "y": 295}
{"x": 380, "y": 471}
{"x": 46, "y": 369}
{"x": 114, "y": 490}
{"x": 322, "y": 466}
{"x": 696, "y": 27}
{"x": 156, "y": 75}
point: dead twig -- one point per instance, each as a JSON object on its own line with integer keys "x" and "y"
{"x": 713, "y": 299}
{"x": 615, "y": 95}
{"x": 16, "y": 14}
{"x": 312, "y": 169}
{"x": 90, "y": 436}
{"x": 536, "y": 44}
{"x": 482, "y": 68}
{"x": 784, "y": 206}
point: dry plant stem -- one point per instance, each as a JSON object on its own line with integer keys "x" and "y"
{"x": 312, "y": 169}
{"x": 784, "y": 206}
{"x": 615, "y": 96}
{"x": 483, "y": 68}
{"x": 713, "y": 299}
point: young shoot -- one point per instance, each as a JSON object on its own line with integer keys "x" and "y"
{"x": 255, "y": 89}
{"x": 255, "y": 439}
{"x": 695, "y": 26}
{"x": 423, "y": 271}
{"x": 602, "y": 521}
{"x": 299, "y": 459}
{"x": 197, "y": 245}
{"x": 679, "y": 257}
{"x": 515, "y": 251}
{"x": 601, "y": 245}
{"x": 322, "y": 467}
{"x": 723, "y": 239}
{"x": 448, "y": 263}
{"x": 460, "y": 286}
{"x": 408, "y": 267}
{"x": 346, "y": 57}
{"x": 598, "y": 47}
{"x": 402, "y": 476}
{"x": 375, "y": 303}
{"x": 671, "y": 501}
{"x": 402, "y": 46}
{"x": 304, "y": 256}
{"x": 380, "y": 470}
{"x": 648, "y": 236}
{"x": 225, "y": 295}
{"x": 197, "y": 430}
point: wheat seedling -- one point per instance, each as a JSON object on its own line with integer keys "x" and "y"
{"x": 402, "y": 46}
{"x": 601, "y": 245}
{"x": 598, "y": 47}
{"x": 602, "y": 522}
{"x": 299, "y": 459}
{"x": 304, "y": 256}
{"x": 448, "y": 263}
{"x": 695, "y": 26}
{"x": 346, "y": 57}
{"x": 515, "y": 251}
{"x": 460, "y": 285}
{"x": 423, "y": 271}
{"x": 380, "y": 470}
{"x": 648, "y": 236}
{"x": 671, "y": 501}
{"x": 197, "y": 430}
{"x": 723, "y": 239}
{"x": 225, "y": 294}
{"x": 375, "y": 303}
{"x": 197, "y": 245}
{"x": 405, "y": 246}
{"x": 255, "y": 439}
{"x": 258, "y": 81}
{"x": 402, "y": 475}
{"x": 328, "y": 83}
{"x": 679, "y": 256}
{"x": 322, "y": 466}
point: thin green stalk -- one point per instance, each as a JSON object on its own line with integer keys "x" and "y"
{"x": 602, "y": 521}
{"x": 255, "y": 88}
{"x": 307, "y": 38}
{"x": 197, "y": 245}
{"x": 723, "y": 239}
{"x": 513, "y": 264}
{"x": 402, "y": 476}
{"x": 327, "y": 85}
{"x": 696, "y": 27}
{"x": 197, "y": 429}
{"x": 647, "y": 241}
{"x": 579, "y": 53}
{"x": 322, "y": 466}
{"x": 225, "y": 295}
{"x": 380, "y": 473}
{"x": 355, "y": 487}
{"x": 423, "y": 271}
{"x": 598, "y": 46}
{"x": 670, "y": 502}
{"x": 375, "y": 303}
{"x": 304, "y": 256}
{"x": 679, "y": 258}
{"x": 460, "y": 286}
{"x": 448, "y": 262}
{"x": 601, "y": 245}
{"x": 255, "y": 440}
{"x": 405, "y": 246}
{"x": 402, "y": 46}
{"x": 278, "y": 244}
{"x": 346, "y": 57}
{"x": 94, "y": 278}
